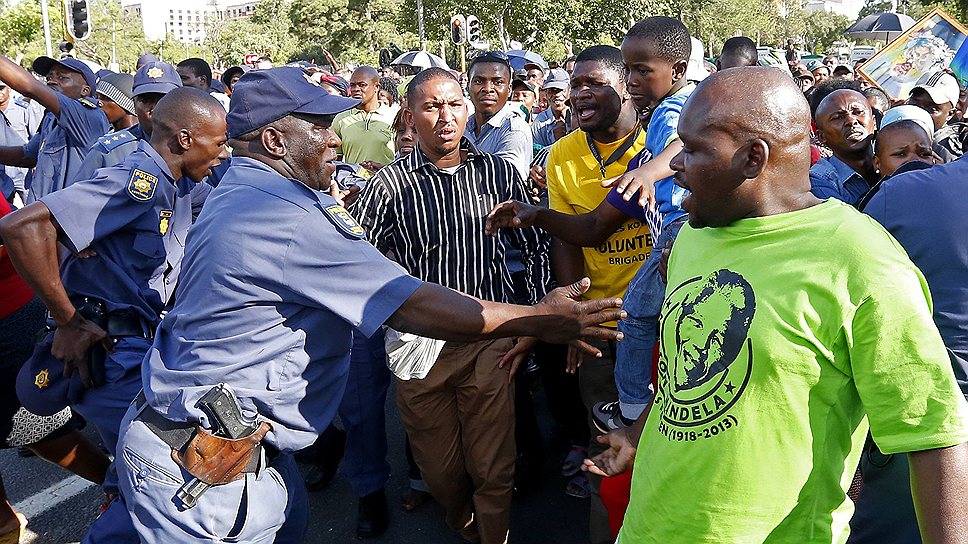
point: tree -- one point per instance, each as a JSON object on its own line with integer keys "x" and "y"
{"x": 20, "y": 24}
{"x": 874, "y": 6}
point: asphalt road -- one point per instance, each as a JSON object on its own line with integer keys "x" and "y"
{"x": 60, "y": 506}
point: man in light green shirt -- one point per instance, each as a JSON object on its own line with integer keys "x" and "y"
{"x": 788, "y": 324}
{"x": 366, "y": 131}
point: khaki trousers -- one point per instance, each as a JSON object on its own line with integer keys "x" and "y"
{"x": 460, "y": 420}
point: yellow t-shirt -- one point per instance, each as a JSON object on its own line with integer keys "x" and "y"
{"x": 574, "y": 179}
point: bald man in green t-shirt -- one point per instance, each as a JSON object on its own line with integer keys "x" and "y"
{"x": 801, "y": 321}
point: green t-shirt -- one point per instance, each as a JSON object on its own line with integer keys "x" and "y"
{"x": 366, "y": 136}
{"x": 778, "y": 335}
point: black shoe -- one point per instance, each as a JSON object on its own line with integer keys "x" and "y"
{"x": 329, "y": 454}
{"x": 373, "y": 515}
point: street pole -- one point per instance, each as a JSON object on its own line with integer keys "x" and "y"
{"x": 463, "y": 58}
{"x": 43, "y": 10}
{"x": 420, "y": 25}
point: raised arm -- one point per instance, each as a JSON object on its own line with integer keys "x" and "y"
{"x": 24, "y": 83}
{"x": 939, "y": 486}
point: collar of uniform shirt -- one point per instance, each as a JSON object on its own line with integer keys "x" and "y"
{"x": 418, "y": 159}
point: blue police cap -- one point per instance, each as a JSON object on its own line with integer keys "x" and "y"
{"x": 156, "y": 77}
{"x": 41, "y": 385}
{"x": 263, "y": 96}
{"x": 42, "y": 66}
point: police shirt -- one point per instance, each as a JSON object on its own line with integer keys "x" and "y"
{"x": 11, "y": 134}
{"x": 62, "y": 142}
{"x": 136, "y": 218}
{"x": 109, "y": 150}
{"x": 276, "y": 276}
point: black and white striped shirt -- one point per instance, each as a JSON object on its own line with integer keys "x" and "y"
{"x": 433, "y": 221}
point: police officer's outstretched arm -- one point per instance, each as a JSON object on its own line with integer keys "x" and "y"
{"x": 24, "y": 83}
{"x": 560, "y": 317}
{"x": 30, "y": 238}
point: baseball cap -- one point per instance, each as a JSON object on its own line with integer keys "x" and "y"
{"x": 117, "y": 87}
{"x": 42, "y": 65}
{"x": 695, "y": 71}
{"x": 908, "y": 112}
{"x": 815, "y": 64}
{"x": 156, "y": 77}
{"x": 41, "y": 386}
{"x": 517, "y": 83}
{"x": 941, "y": 87}
{"x": 557, "y": 79}
{"x": 263, "y": 96}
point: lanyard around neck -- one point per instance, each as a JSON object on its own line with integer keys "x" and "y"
{"x": 617, "y": 154}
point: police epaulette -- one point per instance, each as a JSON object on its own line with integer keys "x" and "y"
{"x": 87, "y": 102}
{"x": 114, "y": 139}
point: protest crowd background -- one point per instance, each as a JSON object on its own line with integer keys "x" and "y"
{"x": 703, "y": 261}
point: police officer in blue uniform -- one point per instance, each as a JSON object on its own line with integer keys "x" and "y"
{"x": 14, "y": 120}
{"x": 72, "y": 124}
{"x": 151, "y": 82}
{"x": 132, "y": 220}
{"x": 276, "y": 276}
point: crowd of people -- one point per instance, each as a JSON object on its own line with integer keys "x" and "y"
{"x": 743, "y": 289}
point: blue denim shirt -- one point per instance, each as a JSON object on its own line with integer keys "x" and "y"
{"x": 833, "y": 178}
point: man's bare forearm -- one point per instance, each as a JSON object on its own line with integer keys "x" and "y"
{"x": 13, "y": 155}
{"x": 939, "y": 487}
{"x": 30, "y": 236}
{"x": 24, "y": 83}
{"x": 583, "y": 230}
{"x": 438, "y": 312}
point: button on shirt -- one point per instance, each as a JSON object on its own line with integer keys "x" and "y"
{"x": 833, "y": 178}
{"x": 136, "y": 219}
{"x": 63, "y": 141}
{"x": 543, "y": 127}
{"x": 271, "y": 290}
{"x": 506, "y": 135}
{"x": 433, "y": 221}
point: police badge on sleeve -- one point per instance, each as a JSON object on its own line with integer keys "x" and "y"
{"x": 343, "y": 221}
{"x": 142, "y": 185}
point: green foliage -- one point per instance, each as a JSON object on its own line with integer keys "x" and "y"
{"x": 20, "y": 25}
{"x": 874, "y": 6}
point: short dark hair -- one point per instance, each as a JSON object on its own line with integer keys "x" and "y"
{"x": 424, "y": 77}
{"x": 491, "y": 57}
{"x": 198, "y": 67}
{"x": 608, "y": 55}
{"x": 670, "y": 36}
{"x": 741, "y": 47}
{"x": 389, "y": 86}
{"x": 828, "y": 86}
{"x": 841, "y": 70}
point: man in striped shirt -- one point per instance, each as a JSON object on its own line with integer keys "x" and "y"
{"x": 428, "y": 208}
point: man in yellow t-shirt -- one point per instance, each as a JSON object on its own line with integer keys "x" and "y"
{"x": 609, "y": 138}
{"x": 802, "y": 321}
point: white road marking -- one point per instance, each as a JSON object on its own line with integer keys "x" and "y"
{"x": 42, "y": 501}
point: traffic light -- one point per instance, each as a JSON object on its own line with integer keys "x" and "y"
{"x": 474, "y": 32}
{"x": 78, "y": 19}
{"x": 458, "y": 29}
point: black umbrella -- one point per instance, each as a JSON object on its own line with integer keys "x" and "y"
{"x": 880, "y": 26}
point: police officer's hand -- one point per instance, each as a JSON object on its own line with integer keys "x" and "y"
{"x": 517, "y": 354}
{"x": 588, "y": 314}
{"x": 510, "y": 214}
{"x": 618, "y": 458}
{"x": 72, "y": 344}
